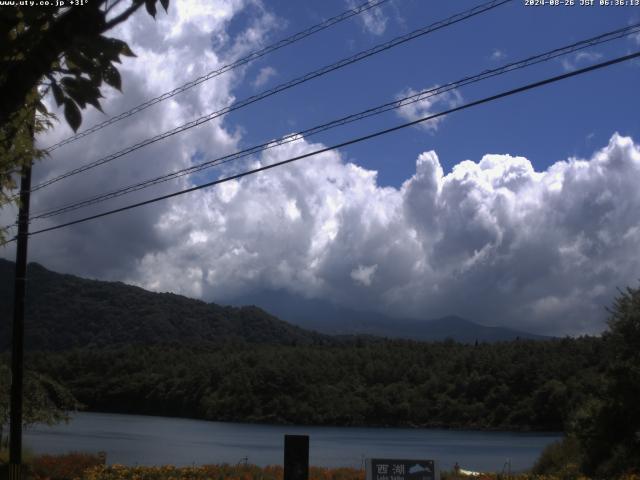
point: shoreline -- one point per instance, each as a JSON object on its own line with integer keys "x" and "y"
{"x": 434, "y": 426}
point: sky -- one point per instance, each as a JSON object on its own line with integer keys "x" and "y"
{"x": 522, "y": 212}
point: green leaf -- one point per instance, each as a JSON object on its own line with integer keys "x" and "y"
{"x": 41, "y": 108}
{"x": 72, "y": 88}
{"x": 165, "y": 4}
{"x": 96, "y": 103}
{"x": 72, "y": 114}
{"x": 71, "y": 65}
{"x": 57, "y": 94}
{"x": 76, "y": 60}
{"x": 151, "y": 7}
{"x": 111, "y": 76}
{"x": 108, "y": 48}
{"x": 126, "y": 51}
{"x": 69, "y": 82}
{"x": 82, "y": 90}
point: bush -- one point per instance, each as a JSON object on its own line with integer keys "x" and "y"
{"x": 63, "y": 467}
{"x": 561, "y": 459}
{"x": 27, "y": 456}
{"x": 216, "y": 472}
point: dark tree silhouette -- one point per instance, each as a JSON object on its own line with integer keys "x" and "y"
{"x": 62, "y": 49}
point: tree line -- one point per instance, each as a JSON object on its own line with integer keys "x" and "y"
{"x": 521, "y": 385}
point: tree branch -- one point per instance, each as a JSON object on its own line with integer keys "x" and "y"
{"x": 136, "y": 4}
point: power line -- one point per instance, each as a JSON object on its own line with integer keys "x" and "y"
{"x": 225, "y": 68}
{"x": 516, "y": 65}
{"x": 285, "y": 86}
{"x": 507, "y": 93}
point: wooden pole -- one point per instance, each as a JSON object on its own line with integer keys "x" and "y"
{"x": 17, "y": 342}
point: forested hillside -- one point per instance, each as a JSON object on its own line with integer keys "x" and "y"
{"x": 120, "y": 348}
{"x": 117, "y": 348}
{"x": 515, "y": 385}
{"x": 65, "y": 311}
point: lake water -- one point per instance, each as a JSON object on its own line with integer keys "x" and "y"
{"x": 144, "y": 440}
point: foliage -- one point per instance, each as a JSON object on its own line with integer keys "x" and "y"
{"x": 392, "y": 382}
{"x": 162, "y": 354}
{"x": 241, "y": 364}
{"x": 561, "y": 459}
{"x": 253, "y": 472}
{"x": 15, "y": 153}
{"x": 61, "y": 467}
{"x": 58, "y": 49}
{"x": 223, "y": 471}
{"x": 74, "y": 312}
{"x": 608, "y": 423}
{"x": 82, "y": 466}
{"x": 63, "y": 49}
{"x": 44, "y": 400}
{"x": 27, "y": 456}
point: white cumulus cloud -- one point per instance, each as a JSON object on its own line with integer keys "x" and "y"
{"x": 171, "y": 50}
{"x": 494, "y": 240}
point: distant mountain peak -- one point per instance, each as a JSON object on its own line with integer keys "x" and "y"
{"x": 326, "y": 317}
{"x": 65, "y": 311}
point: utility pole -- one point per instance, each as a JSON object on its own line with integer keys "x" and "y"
{"x": 17, "y": 342}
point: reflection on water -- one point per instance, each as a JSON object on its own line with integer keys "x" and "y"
{"x": 142, "y": 440}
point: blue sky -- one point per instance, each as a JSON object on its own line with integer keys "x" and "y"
{"x": 567, "y": 119}
{"x": 521, "y": 212}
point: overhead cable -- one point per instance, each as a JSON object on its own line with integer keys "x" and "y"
{"x": 284, "y": 86}
{"x": 399, "y": 103}
{"x": 225, "y": 68}
{"x": 465, "y": 106}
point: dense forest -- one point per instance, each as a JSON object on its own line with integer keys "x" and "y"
{"x": 515, "y": 385}
{"x": 65, "y": 311}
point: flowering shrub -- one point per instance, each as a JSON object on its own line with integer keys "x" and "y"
{"x": 62, "y": 467}
{"x": 252, "y": 472}
{"x": 81, "y": 466}
{"x": 215, "y": 472}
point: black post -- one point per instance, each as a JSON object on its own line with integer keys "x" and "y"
{"x": 296, "y": 457}
{"x": 17, "y": 343}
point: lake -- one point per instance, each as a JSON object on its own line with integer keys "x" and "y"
{"x": 145, "y": 440}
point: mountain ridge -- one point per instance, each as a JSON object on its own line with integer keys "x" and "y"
{"x": 74, "y": 312}
{"x": 331, "y": 319}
